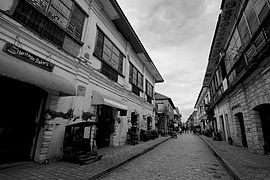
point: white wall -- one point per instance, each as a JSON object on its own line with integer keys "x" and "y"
{"x": 79, "y": 74}
{"x": 222, "y": 109}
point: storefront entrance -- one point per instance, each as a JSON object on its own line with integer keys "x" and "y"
{"x": 105, "y": 126}
{"x": 20, "y": 108}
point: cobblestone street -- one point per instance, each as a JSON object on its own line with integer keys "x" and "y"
{"x": 135, "y": 90}
{"x": 186, "y": 157}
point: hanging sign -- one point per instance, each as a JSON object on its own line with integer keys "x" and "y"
{"x": 28, "y": 57}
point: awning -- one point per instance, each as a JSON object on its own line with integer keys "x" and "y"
{"x": 102, "y": 99}
{"x": 14, "y": 68}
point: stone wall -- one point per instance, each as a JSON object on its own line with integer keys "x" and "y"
{"x": 245, "y": 98}
{"x": 258, "y": 93}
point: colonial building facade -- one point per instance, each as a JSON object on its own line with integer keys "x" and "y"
{"x": 238, "y": 73}
{"x": 69, "y": 61}
{"x": 165, "y": 112}
{"x": 201, "y": 106}
{"x": 177, "y": 118}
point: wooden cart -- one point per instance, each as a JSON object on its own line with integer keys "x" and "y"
{"x": 80, "y": 143}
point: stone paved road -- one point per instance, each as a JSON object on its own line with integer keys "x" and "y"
{"x": 186, "y": 157}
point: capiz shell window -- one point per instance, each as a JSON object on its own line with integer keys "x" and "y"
{"x": 135, "y": 77}
{"x": 51, "y": 19}
{"x": 36, "y": 21}
{"x": 65, "y": 13}
{"x": 106, "y": 51}
{"x": 76, "y": 22}
{"x": 233, "y": 50}
{"x": 149, "y": 89}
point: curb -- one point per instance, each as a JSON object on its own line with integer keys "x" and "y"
{"x": 223, "y": 162}
{"x": 107, "y": 171}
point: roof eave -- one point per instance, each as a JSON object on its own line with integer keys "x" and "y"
{"x": 123, "y": 26}
{"x": 225, "y": 23}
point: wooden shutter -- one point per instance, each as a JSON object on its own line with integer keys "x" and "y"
{"x": 250, "y": 53}
{"x": 135, "y": 76}
{"x": 130, "y": 73}
{"x": 99, "y": 44}
{"x": 264, "y": 12}
{"x": 259, "y": 42}
{"x": 266, "y": 27}
{"x": 243, "y": 31}
{"x": 259, "y": 4}
{"x": 141, "y": 82}
{"x": 76, "y": 22}
{"x": 35, "y": 20}
{"x": 120, "y": 64}
{"x": 146, "y": 87}
{"x": 251, "y": 17}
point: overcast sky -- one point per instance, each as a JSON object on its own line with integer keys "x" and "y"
{"x": 177, "y": 34}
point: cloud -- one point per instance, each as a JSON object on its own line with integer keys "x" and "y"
{"x": 177, "y": 35}
{"x": 171, "y": 22}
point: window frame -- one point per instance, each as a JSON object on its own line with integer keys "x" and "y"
{"x": 252, "y": 18}
{"x": 83, "y": 13}
{"x": 149, "y": 88}
{"x": 149, "y": 91}
{"x": 232, "y": 49}
{"x": 133, "y": 76}
{"x": 48, "y": 14}
{"x": 99, "y": 52}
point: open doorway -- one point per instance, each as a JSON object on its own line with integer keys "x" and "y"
{"x": 105, "y": 126}
{"x": 241, "y": 127}
{"x": 264, "y": 112}
{"x": 227, "y": 125}
{"x": 222, "y": 127}
{"x": 19, "y": 122}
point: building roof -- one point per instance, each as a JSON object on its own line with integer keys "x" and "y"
{"x": 122, "y": 24}
{"x": 159, "y": 96}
